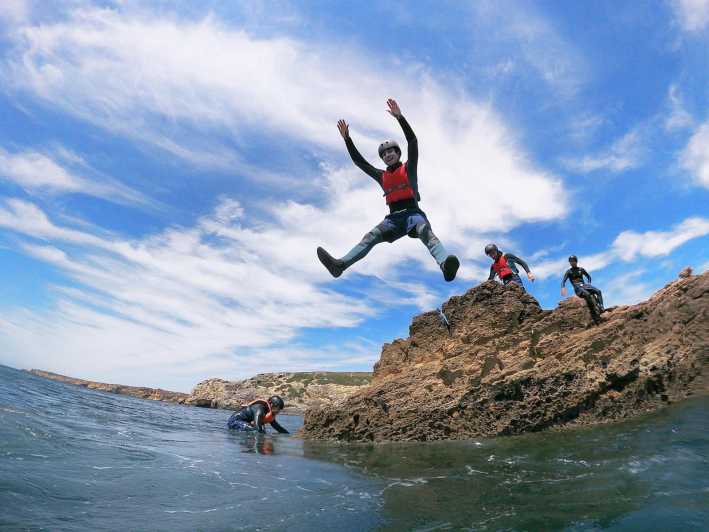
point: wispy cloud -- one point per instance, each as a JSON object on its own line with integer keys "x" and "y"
{"x": 39, "y": 173}
{"x": 629, "y": 245}
{"x": 624, "y": 154}
{"x": 693, "y": 15}
{"x": 678, "y": 117}
{"x": 695, "y": 157}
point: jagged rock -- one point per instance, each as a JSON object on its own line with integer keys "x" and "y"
{"x": 155, "y": 394}
{"x": 510, "y": 367}
{"x": 299, "y": 390}
{"x": 687, "y": 272}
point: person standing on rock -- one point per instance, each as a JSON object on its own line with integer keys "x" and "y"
{"x": 504, "y": 266}
{"x": 400, "y": 185}
{"x": 576, "y": 275}
{"x": 256, "y": 414}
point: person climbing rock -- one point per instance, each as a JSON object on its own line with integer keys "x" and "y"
{"x": 576, "y": 275}
{"x": 504, "y": 266}
{"x": 399, "y": 181}
{"x": 256, "y": 414}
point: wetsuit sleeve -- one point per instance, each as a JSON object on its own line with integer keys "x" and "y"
{"x": 412, "y": 153}
{"x": 278, "y": 427}
{"x": 362, "y": 163}
{"x": 259, "y": 412}
{"x": 584, "y": 272}
{"x": 566, "y": 277}
{"x": 517, "y": 260}
{"x": 492, "y": 274}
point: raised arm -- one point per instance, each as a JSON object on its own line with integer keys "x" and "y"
{"x": 413, "y": 147}
{"x": 356, "y": 157}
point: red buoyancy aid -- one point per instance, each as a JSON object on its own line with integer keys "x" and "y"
{"x": 501, "y": 267}
{"x": 269, "y": 417}
{"x": 396, "y": 185}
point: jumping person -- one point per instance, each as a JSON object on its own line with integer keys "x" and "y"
{"x": 576, "y": 275}
{"x": 504, "y": 266}
{"x": 256, "y": 414}
{"x": 400, "y": 185}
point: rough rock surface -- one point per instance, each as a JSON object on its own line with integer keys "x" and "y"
{"x": 299, "y": 390}
{"x": 156, "y": 394}
{"x": 510, "y": 367}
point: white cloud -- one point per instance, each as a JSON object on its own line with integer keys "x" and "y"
{"x": 14, "y": 10}
{"x": 533, "y": 42}
{"x": 695, "y": 157}
{"x": 39, "y": 173}
{"x": 629, "y": 244}
{"x": 678, "y": 117}
{"x": 170, "y": 82}
{"x": 180, "y": 297}
{"x": 693, "y": 15}
{"x": 627, "y": 290}
{"x": 624, "y": 154}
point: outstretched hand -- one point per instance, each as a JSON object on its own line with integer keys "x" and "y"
{"x": 530, "y": 276}
{"x": 344, "y": 129}
{"x": 563, "y": 292}
{"x": 393, "y": 108}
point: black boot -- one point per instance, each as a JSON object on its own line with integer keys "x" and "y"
{"x": 334, "y": 266}
{"x": 450, "y": 267}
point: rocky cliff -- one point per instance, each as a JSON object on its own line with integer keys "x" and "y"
{"x": 299, "y": 390}
{"x": 509, "y": 367}
{"x": 156, "y": 394}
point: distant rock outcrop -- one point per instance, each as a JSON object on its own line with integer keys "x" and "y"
{"x": 155, "y": 394}
{"x": 510, "y": 367}
{"x": 299, "y": 390}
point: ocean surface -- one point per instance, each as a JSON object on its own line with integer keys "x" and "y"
{"x": 77, "y": 459}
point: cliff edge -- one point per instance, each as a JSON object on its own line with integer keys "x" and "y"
{"x": 510, "y": 367}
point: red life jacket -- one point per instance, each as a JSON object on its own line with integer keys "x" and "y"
{"x": 269, "y": 417}
{"x": 396, "y": 185}
{"x": 501, "y": 267}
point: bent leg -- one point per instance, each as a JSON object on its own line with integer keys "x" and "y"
{"x": 371, "y": 239}
{"x": 430, "y": 240}
{"x": 596, "y": 292}
{"x": 235, "y": 423}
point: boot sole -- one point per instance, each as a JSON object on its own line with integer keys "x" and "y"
{"x": 450, "y": 267}
{"x": 327, "y": 261}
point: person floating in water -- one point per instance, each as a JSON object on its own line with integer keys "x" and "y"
{"x": 400, "y": 185}
{"x": 256, "y": 414}
{"x": 576, "y": 275}
{"x": 504, "y": 266}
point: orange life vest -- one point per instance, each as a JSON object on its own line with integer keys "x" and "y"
{"x": 501, "y": 267}
{"x": 396, "y": 185}
{"x": 269, "y": 417}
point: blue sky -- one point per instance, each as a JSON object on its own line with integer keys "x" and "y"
{"x": 167, "y": 170}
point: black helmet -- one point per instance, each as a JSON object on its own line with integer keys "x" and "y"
{"x": 573, "y": 258}
{"x": 491, "y": 248}
{"x": 384, "y": 146}
{"x": 276, "y": 402}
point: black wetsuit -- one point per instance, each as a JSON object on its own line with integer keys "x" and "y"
{"x": 411, "y": 166}
{"x": 511, "y": 261}
{"x": 576, "y": 275}
{"x": 250, "y": 418}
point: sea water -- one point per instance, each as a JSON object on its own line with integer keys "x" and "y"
{"x": 79, "y": 459}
